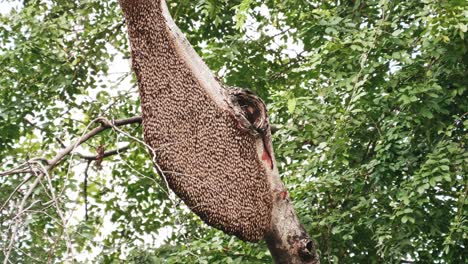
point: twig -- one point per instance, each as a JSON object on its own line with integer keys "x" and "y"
{"x": 105, "y": 124}
{"x": 59, "y": 212}
{"x": 274, "y": 128}
{"x": 43, "y": 130}
{"x": 18, "y": 219}
{"x": 39, "y": 170}
{"x": 17, "y": 170}
{"x": 85, "y": 189}
{"x": 105, "y": 155}
{"x": 156, "y": 165}
{"x": 14, "y": 191}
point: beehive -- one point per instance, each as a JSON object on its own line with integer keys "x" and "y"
{"x": 208, "y": 161}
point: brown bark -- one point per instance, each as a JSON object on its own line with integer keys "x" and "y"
{"x": 212, "y": 145}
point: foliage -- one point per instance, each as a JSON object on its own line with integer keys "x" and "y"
{"x": 370, "y": 97}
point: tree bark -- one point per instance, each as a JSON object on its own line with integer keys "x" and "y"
{"x": 212, "y": 145}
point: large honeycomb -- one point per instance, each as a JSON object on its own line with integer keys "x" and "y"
{"x": 211, "y": 164}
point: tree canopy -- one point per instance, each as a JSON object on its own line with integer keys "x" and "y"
{"x": 369, "y": 99}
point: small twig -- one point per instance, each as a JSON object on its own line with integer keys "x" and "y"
{"x": 14, "y": 191}
{"x": 59, "y": 211}
{"x": 85, "y": 189}
{"x": 43, "y": 130}
{"x": 105, "y": 155}
{"x": 40, "y": 170}
{"x": 274, "y": 128}
{"x": 105, "y": 124}
{"x": 18, "y": 219}
{"x": 153, "y": 159}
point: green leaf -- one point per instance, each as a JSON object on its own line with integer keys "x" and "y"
{"x": 241, "y": 15}
{"x": 292, "y": 105}
{"x": 444, "y": 168}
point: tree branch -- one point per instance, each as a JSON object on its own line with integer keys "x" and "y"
{"x": 39, "y": 170}
{"x": 105, "y": 155}
{"x": 105, "y": 124}
{"x": 85, "y": 189}
{"x": 43, "y": 130}
{"x": 15, "y": 171}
